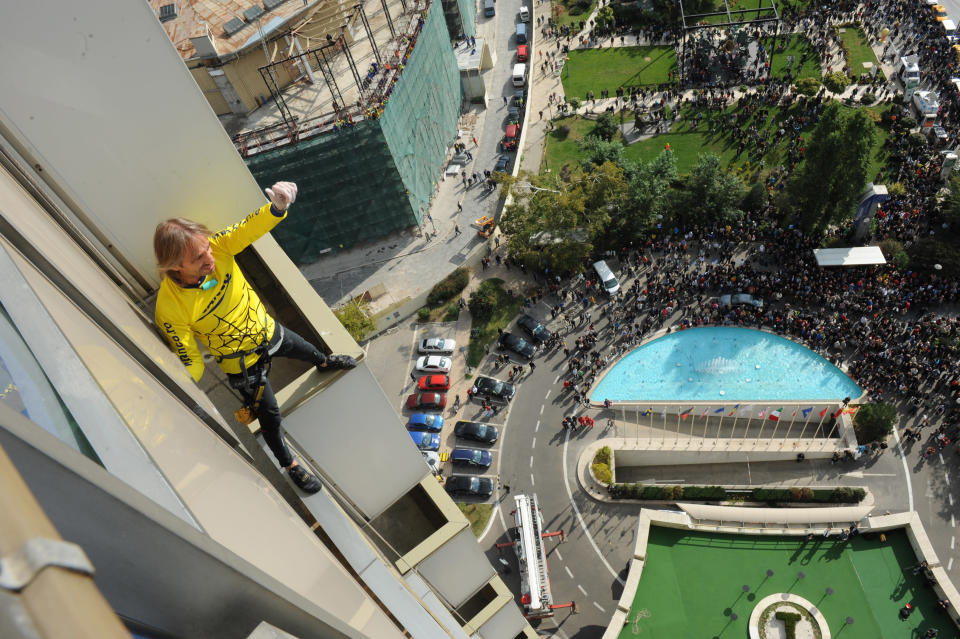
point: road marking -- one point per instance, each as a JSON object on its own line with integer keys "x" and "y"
{"x": 946, "y": 477}
{"x": 950, "y": 564}
{"x": 556, "y": 379}
{"x": 559, "y": 556}
{"x": 531, "y": 461}
{"x": 953, "y": 540}
{"x": 503, "y": 523}
{"x": 532, "y": 481}
{"x": 953, "y": 521}
{"x": 950, "y": 498}
{"x": 861, "y": 474}
{"x": 547, "y": 396}
{"x": 599, "y": 607}
{"x": 541, "y": 410}
{"x": 906, "y": 471}
{"x": 582, "y": 590}
{"x": 537, "y": 427}
{"x": 567, "y": 568}
{"x": 533, "y": 444}
{"x": 583, "y": 524}
{"x": 940, "y": 455}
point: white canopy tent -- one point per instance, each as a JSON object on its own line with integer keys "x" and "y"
{"x": 855, "y": 256}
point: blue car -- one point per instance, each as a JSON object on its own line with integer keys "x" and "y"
{"x": 425, "y": 441}
{"x": 426, "y": 421}
{"x": 471, "y": 457}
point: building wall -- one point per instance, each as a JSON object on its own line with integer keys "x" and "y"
{"x": 350, "y": 190}
{"x": 211, "y": 91}
{"x": 420, "y": 120}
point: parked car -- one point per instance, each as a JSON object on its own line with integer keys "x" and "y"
{"x": 432, "y": 459}
{"x": 939, "y": 13}
{"x": 471, "y": 457}
{"x": 433, "y": 364}
{"x": 517, "y": 344}
{"x": 469, "y": 485}
{"x": 434, "y": 383}
{"x": 490, "y": 388}
{"x": 427, "y": 400}
{"x": 513, "y": 115}
{"x": 476, "y": 431}
{"x": 426, "y": 421}
{"x": 534, "y": 329}
{"x": 740, "y": 298}
{"x": 437, "y": 346}
{"x": 425, "y": 441}
{"x": 502, "y": 162}
{"x": 519, "y": 97}
{"x": 524, "y": 14}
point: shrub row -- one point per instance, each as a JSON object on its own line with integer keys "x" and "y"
{"x": 842, "y": 495}
{"x": 601, "y": 466}
{"x": 448, "y": 288}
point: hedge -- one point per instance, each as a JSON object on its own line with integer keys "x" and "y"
{"x": 841, "y": 495}
{"x": 448, "y": 288}
{"x": 601, "y": 466}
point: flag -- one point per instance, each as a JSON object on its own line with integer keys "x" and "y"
{"x": 851, "y": 411}
{"x": 762, "y": 413}
{"x": 806, "y": 411}
{"x": 686, "y": 413}
{"x": 734, "y": 410}
{"x": 647, "y": 412}
{"x": 823, "y": 412}
{"x": 838, "y": 413}
{"x": 794, "y": 412}
{"x": 705, "y": 411}
{"x": 775, "y": 415}
{"x": 718, "y": 411}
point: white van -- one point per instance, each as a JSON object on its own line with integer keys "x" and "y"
{"x": 610, "y": 283}
{"x": 524, "y": 14}
{"x": 949, "y": 30}
{"x": 519, "y": 75}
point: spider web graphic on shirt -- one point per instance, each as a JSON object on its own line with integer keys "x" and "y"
{"x": 231, "y": 336}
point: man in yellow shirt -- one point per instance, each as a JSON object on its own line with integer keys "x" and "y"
{"x": 204, "y": 297}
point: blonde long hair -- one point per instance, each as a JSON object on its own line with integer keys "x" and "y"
{"x": 173, "y": 238}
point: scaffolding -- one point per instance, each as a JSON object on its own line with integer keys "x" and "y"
{"x": 367, "y": 168}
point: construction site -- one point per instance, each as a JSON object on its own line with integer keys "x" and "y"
{"x": 356, "y": 103}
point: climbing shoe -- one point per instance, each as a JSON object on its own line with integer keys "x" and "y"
{"x": 304, "y": 480}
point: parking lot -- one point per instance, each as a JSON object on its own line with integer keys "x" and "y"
{"x": 393, "y": 357}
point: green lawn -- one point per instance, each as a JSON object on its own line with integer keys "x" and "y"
{"x": 687, "y": 144}
{"x": 860, "y": 49}
{"x": 569, "y": 12}
{"x": 596, "y": 69}
{"x": 483, "y": 334}
{"x": 796, "y": 45}
{"x": 477, "y": 515}
{"x": 692, "y": 582}
{"x": 765, "y": 7}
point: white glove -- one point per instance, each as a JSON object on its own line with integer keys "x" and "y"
{"x": 282, "y": 194}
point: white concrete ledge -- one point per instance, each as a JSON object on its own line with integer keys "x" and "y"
{"x": 785, "y": 597}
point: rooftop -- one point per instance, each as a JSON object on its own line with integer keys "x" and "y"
{"x": 198, "y": 18}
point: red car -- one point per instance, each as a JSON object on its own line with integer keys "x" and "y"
{"x": 427, "y": 400}
{"x": 434, "y": 383}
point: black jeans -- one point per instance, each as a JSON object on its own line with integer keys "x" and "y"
{"x": 285, "y": 343}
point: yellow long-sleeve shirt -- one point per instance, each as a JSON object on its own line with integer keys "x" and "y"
{"x": 228, "y": 318}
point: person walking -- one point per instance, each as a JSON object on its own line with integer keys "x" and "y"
{"x": 204, "y": 298}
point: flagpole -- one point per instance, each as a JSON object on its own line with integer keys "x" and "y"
{"x": 776, "y": 425}
{"x": 736, "y": 416}
{"x": 720, "y": 425}
{"x": 763, "y": 422}
{"x": 787, "y": 436}
{"x": 706, "y": 423}
{"x": 663, "y": 431}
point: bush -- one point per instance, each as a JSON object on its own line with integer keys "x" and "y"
{"x": 452, "y": 314}
{"x": 606, "y": 126}
{"x": 890, "y": 247}
{"x": 423, "y": 314}
{"x": 603, "y": 473}
{"x": 574, "y": 103}
{"x": 705, "y": 493}
{"x": 483, "y": 302}
{"x": 449, "y": 287}
{"x": 602, "y": 456}
{"x": 847, "y": 495}
{"x": 874, "y": 422}
{"x": 355, "y": 317}
{"x": 807, "y": 86}
{"x": 868, "y": 98}
{"x": 835, "y": 82}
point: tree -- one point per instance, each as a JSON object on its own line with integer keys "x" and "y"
{"x": 646, "y": 198}
{"x": 600, "y": 150}
{"x": 604, "y": 17}
{"x": 874, "y": 422}
{"x": 355, "y": 317}
{"x": 574, "y": 103}
{"x": 951, "y": 208}
{"x": 807, "y": 86}
{"x": 709, "y": 194}
{"x": 835, "y": 82}
{"x": 825, "y": 188}
{"x": 606, "y": 127}
{"x": 483, "y": 302}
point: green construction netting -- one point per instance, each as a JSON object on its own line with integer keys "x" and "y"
{"x": 468, "y": 13}
{"x": 420, "y": 120}
{"x": 374, "y": 177}
{"x": 349, "y": 191}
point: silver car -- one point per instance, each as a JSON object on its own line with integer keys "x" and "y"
{"x": 437, "y": 346}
